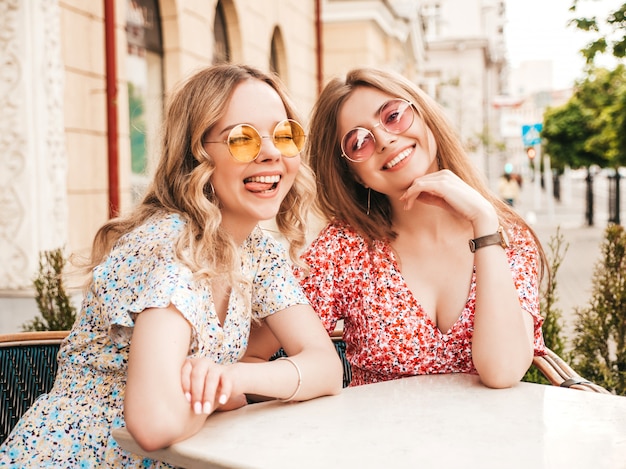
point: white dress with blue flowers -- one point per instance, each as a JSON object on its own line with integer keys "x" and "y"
{"x": 71, "y": 426}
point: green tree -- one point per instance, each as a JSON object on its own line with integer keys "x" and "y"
{"x": 609, "y": 33}
{"x": 589, "y": 128}
{"x": 55, "y": 306}
{"x": 566, "y": 129}
{"x": 602, "y": 94}
{"x": 608, "y": 37}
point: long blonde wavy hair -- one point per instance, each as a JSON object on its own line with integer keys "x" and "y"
{"x": 182, "y": 181}
{"x": 341, "y": 197}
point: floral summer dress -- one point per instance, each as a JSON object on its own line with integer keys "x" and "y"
{"x": 71, "y": 426}
{"x": 387, "y": 333}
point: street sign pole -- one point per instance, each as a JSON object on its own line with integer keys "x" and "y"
{"x": 531, "y": 137}
{"x": 547, "y": 171}
{"x": 537, "y": 177}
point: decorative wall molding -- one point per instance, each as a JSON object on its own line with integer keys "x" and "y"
{"x": 33, "y": 161}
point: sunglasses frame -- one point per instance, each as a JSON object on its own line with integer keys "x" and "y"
{"x": 379, "y": 123}
{"x": 291, "y": 122}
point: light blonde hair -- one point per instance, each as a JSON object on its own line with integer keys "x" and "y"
{"x": 182, "y": 181}
{"x": 341, "y": 197}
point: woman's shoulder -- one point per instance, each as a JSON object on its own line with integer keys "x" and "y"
{"x": 164, "y": 221}
{"x": 339, "y": 230}
{"x": 260, "y": 241}
{"x": 155, "y": 235}
{"x": 338, "y": 239}
{"x": 520, "y": 235}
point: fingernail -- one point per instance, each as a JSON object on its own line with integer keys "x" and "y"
{"x": 223, "y": 399}
{"x": 197, "y": 408}
{"x": 188, "y": 396}
{"x": 207, "y": 407}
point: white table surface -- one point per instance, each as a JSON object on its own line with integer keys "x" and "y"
{"x": 432, "y": 421}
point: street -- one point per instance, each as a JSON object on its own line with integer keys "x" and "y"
{"x": 574, "y": 277}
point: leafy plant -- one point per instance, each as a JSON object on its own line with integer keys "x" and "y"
{"x": 55, "y": 306}
{"x": 608, "y": 34}
{"x": 548, "y": 298}
{"x": 599, "y": 352}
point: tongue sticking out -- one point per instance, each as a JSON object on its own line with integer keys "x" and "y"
{"x": 254, "y": 186}
{"x": 261, "y": 183}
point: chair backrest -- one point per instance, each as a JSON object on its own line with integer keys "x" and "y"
{"x": 340, "y": 347}
{"x": 559, "y": 373}
{"x": 28, "y": 366}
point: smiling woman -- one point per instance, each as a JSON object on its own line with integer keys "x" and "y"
{"x": 165, "y": 334}
{"x": 429, "y": 270}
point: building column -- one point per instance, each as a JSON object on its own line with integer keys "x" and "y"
{"x": 33, "y": 161}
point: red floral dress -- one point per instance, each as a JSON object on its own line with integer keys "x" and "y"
{"x": 387, "y": 333}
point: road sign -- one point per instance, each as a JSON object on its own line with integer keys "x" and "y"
{"x": 531, "y": 134}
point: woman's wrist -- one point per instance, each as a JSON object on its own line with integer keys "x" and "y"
{"x": 486, "y": 224}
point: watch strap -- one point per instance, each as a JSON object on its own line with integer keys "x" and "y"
{"x": 488, "y": 240}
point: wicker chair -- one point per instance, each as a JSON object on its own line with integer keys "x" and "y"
{"x": 553, "y": 367}
{"x": 561, "y": 374}
{"x": 28, "y": 366}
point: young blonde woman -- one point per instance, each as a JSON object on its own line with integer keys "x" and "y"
{"x": 176, "y": 285}
{"x": 430, "y": 272}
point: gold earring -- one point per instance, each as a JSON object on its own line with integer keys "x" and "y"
{"x": 369, "y": 195}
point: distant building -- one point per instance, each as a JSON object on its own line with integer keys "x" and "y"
{"x": 466, "y": 64}
{"x": 527, "y": 96}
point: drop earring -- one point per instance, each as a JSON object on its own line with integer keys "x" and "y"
{"x": 369, "y": 195}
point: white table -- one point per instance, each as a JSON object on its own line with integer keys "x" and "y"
{"x": 433, "y": 421}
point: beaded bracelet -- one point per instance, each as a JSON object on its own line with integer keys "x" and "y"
{"x": 299, "y": 378}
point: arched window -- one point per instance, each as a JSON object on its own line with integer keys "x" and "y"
{"x": 221, "y": 48}
{"x": 144, "y": 67}
{"x": 277, "y": 54}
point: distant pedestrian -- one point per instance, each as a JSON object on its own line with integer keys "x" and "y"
{"x": 509, "y": 188}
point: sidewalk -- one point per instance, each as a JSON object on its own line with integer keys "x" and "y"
{"x": 582, "y": 242}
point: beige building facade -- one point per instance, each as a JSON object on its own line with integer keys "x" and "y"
{"x": 83, "y": 85}
{"x": 73, "y": 73}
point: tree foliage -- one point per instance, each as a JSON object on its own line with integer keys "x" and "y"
{"x": 566, "y": 129}
{"x": 589, "y": 128}
{"x": 599, "y": 352}
{"x": 613, "y": 41}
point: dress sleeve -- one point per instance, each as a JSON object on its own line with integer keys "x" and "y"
{"x": 275, "y": 286}
{"x": 150, "y": 277}
{"x": 326, "y": 258}
{"x": 524, "y": 263}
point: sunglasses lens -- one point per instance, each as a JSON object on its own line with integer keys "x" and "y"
{"x": 358, "y": 144}
{"x": 289, "y": 137}
{"x": 396, "y": 116}
{"x": 244, "y": 143}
